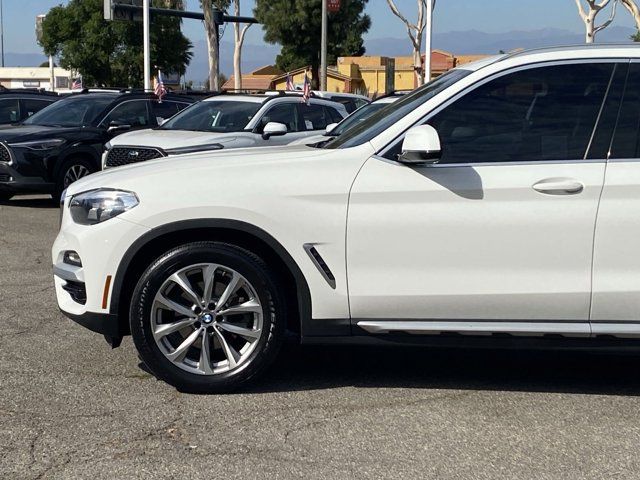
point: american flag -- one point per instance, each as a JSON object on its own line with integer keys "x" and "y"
{"x": 160, "y": 91}
{"x": 77, "y": 83}
{"x": 290, "y": 85}
{"x": 306, "y": 89}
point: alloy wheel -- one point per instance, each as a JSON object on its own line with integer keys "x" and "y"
{"x": 75, "y": 172}
{"x": 206, "y": 319}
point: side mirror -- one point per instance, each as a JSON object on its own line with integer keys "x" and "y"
{"x": 330, "y": 127}
{"x": 274, "y": 129}
{"x": 160, "y": 120}
{"x": 421, "y": 145}
{"x": 118, "y": 126}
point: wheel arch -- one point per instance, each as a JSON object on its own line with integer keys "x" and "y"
{"x": 158, "y": 240}
{"x": 83, "y": 152}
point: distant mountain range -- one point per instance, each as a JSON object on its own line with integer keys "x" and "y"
{"x": 459, "y": 42}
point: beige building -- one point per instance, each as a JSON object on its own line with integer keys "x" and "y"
{"x": 35, "y": 77}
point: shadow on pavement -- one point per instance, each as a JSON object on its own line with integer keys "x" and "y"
{"x": 30, "y": 201}
{"x": 310, "y": 368}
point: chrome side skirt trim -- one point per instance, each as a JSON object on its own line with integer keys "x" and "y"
{"x": 622, "y": 330}
{"x": 435, "y": 327}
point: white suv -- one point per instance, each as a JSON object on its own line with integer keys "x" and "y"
{"x": 227, "y": 121}
{"x": 475, "y": 209}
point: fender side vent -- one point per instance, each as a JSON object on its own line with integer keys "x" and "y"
{"x": 320, "y": 264}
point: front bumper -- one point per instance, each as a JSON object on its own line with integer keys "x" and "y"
{"x": 12, "y": 181}
{"x": 84, "y": 293}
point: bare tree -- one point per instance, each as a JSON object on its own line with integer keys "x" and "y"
{"x": 415, "y": 31}
{"x": 633, "y": 10}
{"x": 239, "y": 33}
{"x": 213, "y": 41}
{"x": 589, "y": 16}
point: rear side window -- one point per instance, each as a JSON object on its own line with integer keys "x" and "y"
{"x": 9, "y": 110}
{"x": 626, "y": 142}
{"x": 284, "y": 113}
{"x": 166, "y": 109}
{"x": 314, "y": 117}
{"x": 132, "y": 112}
{"x": 31, "y": 106}
{"x": 333, "y": 115}
{"x": 544, "y": 113}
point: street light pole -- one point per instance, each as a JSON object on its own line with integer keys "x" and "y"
{"x": 427, "y": 42}
{"x": 145, "y": 42}
{"x": 1, "y": 36}
{"x": 323, "y": 48}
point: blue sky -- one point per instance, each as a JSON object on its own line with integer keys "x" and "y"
{"x": 450, "y": 15}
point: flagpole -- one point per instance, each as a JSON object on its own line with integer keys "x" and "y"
{"x": 323, "y": 48}
{"x": 145, "y": 41}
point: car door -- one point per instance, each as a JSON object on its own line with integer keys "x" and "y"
{"x": 616, "y": 263}
{"x": 281, "y": 112}
{"x": 315, "y": 117}
{"x": 502, "y": 228}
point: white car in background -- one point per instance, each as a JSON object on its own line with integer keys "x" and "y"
{"x": 496, "y": 205}
{"x": 227, "y": 121}
{"x": 361, "y": 114}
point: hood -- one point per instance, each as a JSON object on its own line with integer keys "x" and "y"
{"x": 182, "y": 169}
{"x": 19, "y": 133}
{"x": 168, "y": 139}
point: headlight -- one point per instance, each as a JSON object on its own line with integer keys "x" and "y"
{"x": 40, "y": 145}
{"x": 95, "y": 206}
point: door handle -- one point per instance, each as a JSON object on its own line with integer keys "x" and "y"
{"x": 559, "y": 186}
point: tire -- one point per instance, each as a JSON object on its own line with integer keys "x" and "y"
{"x": 5, "y": 196}
{"x": 232, "y": 358}
{"x": 70, "y": 171}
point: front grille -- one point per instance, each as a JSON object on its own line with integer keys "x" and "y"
{"x": 5, "y": 156}
{"x": 5, "y": 177}
{"x": 119, "y": 156}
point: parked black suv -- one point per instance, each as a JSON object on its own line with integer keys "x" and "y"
{"x": 19, "y": 104}
{"x": 64, "y": 142}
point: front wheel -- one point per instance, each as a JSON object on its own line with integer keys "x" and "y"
{"x": 207, "y": 317}
{"x": 71, "y": 171}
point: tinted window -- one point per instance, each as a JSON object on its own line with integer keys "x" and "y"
{"x": 73, "y": 111}
{"x": 626, "y": 143}
{"x": 9, "y": 110}
{"x": 31, "y": 106}
{"x": 546, "y": 113}
{"x": 132, "y": 113}
{"x": 358, "y": 117}
{"x": 162, "y": 111}
{"x": 387, "y": 116}
{"x": 284, "y": 113}
{"x": 314, "y": 117}
{"x": 214, "y": 116}
{"x": 333, "y": 115}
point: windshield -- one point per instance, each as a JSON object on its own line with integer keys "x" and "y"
{"x": 75, "y": 111}
{"x": 214, "y": 116}
{"x": 357, "y": 117}
{"x": 391, "y": 113}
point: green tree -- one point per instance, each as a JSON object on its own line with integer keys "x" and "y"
{"x": 296, "y": 25}
{"x": 111, "y": 53}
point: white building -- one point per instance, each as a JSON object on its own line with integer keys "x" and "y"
{"x": 35, "y": 77}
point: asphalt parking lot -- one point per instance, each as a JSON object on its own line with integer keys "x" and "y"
{"x": 70, "y": 407}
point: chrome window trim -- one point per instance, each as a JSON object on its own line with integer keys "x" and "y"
{"x": 483, "y": 81}
{"x": 497, "y": 164}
